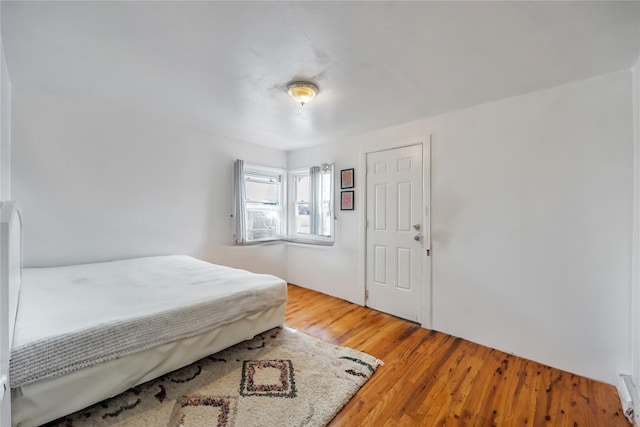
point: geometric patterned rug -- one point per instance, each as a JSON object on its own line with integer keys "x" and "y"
{"x": 279, "y": 378}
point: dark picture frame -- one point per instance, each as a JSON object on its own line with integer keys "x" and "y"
{"x": 347, "y": 200}
{"x": 347, "y": 178}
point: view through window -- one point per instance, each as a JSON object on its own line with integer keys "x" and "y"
{"x": 275, "y": 204}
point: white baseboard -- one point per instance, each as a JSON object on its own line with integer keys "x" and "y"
{"x": 629, "y": 398}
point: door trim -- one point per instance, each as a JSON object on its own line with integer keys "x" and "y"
{"x": 426, "y": 311}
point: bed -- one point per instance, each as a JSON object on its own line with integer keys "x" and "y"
{"x": 80, "y": 334}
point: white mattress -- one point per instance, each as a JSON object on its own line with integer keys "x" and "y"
{"x": 99, "y": 312}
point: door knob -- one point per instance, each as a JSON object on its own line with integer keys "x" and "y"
{"x": 416, "y": 238}
{"x": 416, "y": 226}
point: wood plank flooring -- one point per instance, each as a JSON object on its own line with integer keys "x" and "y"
{"x": 433, "y": 379}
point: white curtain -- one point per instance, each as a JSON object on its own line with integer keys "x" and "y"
{"x": 317, "y": 210}
{"x": 315, "y": 200}
{"x": 240, "y": 222}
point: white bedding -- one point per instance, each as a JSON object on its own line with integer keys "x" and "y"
{"x": 99, "y": 312}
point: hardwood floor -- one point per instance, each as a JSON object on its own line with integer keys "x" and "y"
{"x": 433, "y": 379}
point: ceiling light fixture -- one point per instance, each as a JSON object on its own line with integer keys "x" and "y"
{"x": 302, "y": 92}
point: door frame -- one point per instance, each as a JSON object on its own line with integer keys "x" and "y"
{"x": 426, "y": 303}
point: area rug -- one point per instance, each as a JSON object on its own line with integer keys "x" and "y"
{"x": 279, "y": 378}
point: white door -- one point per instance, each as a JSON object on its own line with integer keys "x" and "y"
{"x": 395, "y": 232}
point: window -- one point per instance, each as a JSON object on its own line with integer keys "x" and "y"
{"x": 263, "y": 204}
{"x": 265, "y": 211}
{"x": 259, "y": 211}
{"x": 312, "y": 196}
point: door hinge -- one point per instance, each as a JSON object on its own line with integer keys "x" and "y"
{"x": 366, "y": 294}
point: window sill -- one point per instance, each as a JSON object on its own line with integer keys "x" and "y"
{"x": 312, "y": 242}
{"x": 294, "y": 242}
{"x": 259, "y": 242}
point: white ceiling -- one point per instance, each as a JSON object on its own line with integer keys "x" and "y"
{"x": 224, "y": 66}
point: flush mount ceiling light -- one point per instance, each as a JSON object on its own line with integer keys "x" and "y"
{"x": 302, "y": 92}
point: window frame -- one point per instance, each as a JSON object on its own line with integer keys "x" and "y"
{"x": 280, "y": 175}
{"x": 287, "y": 205}
{"x": 292, "y": 234}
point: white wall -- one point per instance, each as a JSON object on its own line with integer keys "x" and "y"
{"x": 333, "y": 270}
{"x": 5, "y": 143}
{"x": 635, "y": 294}
{"x": 531, "y": 224}
{"x": 5, "y": 128}
{"x": 99, "y": 183}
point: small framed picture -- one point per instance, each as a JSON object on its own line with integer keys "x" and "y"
{"x": 346, "y": 200}
{"x": 346, "y": 178}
